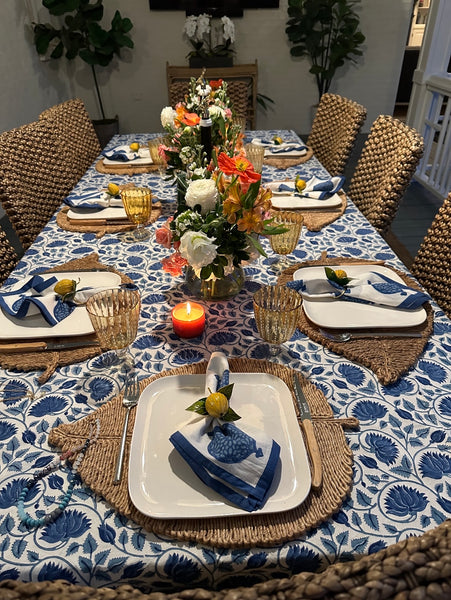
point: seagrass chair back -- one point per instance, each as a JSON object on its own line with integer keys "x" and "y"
{"x": 8, "y": 257}
{"x": 238, "y": 92}
{"x": 335, "y": 127}
{"x": 386, "y": 165}
{"x": 35, "y": 177}
{"x": 432, "y": 263}
{"x": 77, "y": 133}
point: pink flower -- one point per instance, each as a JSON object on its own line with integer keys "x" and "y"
{"x": 163, "y": 235}
{"x": 174, "y": 264}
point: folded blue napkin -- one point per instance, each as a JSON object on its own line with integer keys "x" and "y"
{"x": 92, "y": 198}
{"x": 274, "y": 148}
{"x": 121, "y": 153}
{"x": 368, "y": 288}
{"x": 238, "y": 462}
{"x": 37, "y": 296}
{"x": 320, "y": 189}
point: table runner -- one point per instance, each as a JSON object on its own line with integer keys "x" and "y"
{"x": 281, "y": 162}
{"x": 97, "y": 470}
{"x": 49, "y": 361}
{"x": 388, "y": 358}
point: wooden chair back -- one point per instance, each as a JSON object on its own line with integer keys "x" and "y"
{"x": 388, "y": 160}
{"x": 8, "y": 257}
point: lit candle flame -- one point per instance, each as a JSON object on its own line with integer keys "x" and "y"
{"x": 188, "y": 308}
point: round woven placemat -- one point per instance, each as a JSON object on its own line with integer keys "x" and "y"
{"x": 316, "y": 218}
{"x": 98, "y": 467}
{"x": 388, "y": 358}
{"x": 100, "y": 230}
{"x": 283, "y": 162}
{"x": 125, "y": 169}
{"x": 49, "y": 361}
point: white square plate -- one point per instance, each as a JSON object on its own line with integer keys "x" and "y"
{"x": 341, "y": 314}
{"x": 144, "y": 158}
{"x": 284, "y": 202}
{"x": 77, "y": 323}
{"x": 160, "y": 482}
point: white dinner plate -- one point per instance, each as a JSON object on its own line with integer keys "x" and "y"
{"x": 341, "y": 314}
{"x": 284, "y": 202}
{"x": 160, "y": 482}
{"x": 77, "y": 323}
{"x": 144, "y": 158}
{"x": 110, "y": 213}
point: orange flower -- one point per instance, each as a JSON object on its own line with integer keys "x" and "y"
{"x": 263, "y": 199}
{"x": 174, "y": 264}
{"x": 215, "y": 83}
{"x": 232, "y": 204}
{"x": 186, "y": 118}
{"x": 251, "y": 221}
{"x": 238, "y": 165}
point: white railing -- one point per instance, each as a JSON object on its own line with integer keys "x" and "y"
{"x": 434, "y": 170}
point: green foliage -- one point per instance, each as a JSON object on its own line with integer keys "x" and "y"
{"x": 82, "y": 35}
{"x": 327, "y": 32}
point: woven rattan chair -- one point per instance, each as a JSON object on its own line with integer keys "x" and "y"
{"x": 418, "y": 568}
{"x": 334, "y": 130}
{"x": 77, "y": 133}
{"x": 384, "y": 170}
{"x": 238, "y": 92}
{"x": 35, "y": 176}
{"x": 432, "y": 263}
{"x": 8, "y": 257}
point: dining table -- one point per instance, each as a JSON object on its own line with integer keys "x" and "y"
{"x": 396, "y": 450}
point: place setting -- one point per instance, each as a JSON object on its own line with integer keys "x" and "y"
{"x": 368, "y": 312}
{"x": 187, "y": 420}
{"x": 322, "y": 201}
{"x": 282, "y": 153}
{"x": 45, "y": 321}
{"x": 117, "y": 208}
{"x": 128, "y": 159}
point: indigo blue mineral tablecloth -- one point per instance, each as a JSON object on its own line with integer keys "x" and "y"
{"x": 401, "y": 452}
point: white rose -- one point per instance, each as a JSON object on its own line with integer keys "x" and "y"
{"x": 167, "y": 116}
{"x": 203, "y": 192}
{"x": 198, "y": 249}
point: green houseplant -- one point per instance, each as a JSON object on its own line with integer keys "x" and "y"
{"x": 82, "y": 35}
{"x": 326, "y": 31}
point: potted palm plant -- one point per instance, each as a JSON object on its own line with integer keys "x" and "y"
{"x": 326, "y": 31}
{"x": 82, "y": 35}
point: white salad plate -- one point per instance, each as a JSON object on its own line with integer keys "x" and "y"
{"x": 110, "y": 213}
{"x": 342, "y": 314}
{"x": 285, "y": 201}
{"x": 160, "y": 482}
{"x": 77, "y": 323}
{"x": 144, "y": 157}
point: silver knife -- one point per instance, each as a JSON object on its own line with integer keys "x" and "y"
{"x": 37, "y": 346}
{"x": 307, "y": 426}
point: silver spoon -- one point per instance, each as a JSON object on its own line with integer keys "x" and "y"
{"x": 346, "y": 335}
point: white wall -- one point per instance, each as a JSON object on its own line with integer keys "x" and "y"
{"x": 135, "y": 87}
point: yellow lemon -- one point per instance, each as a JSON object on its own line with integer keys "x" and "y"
{"x": 277, "y": 140}
{"x": 216, "y": 404}
{"x": 340, "y": 274}
{"x": 65, "y": 287}
{"x": 113, "y": 189}
{"x": 134, "y": 147}
{"x": 300, "y": 184}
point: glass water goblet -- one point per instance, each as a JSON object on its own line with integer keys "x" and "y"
{"x": 137, "y": 202}
{"x": 285, "y": 243}
{"x": 157, "y": 159}
{"x": 277, "y": 310}
{"x": 114, "y": 316}
{"x": 255, "y": 154}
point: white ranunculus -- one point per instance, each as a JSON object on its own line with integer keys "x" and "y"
{"x": 198, "y": 249}
{"x": 203, "y": 192}
{"x": 167, "y": 116}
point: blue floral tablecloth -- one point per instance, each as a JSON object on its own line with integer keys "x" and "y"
{"x": 401, "y": 452}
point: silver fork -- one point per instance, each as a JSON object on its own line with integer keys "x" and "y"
{"x": 131, "y": 397}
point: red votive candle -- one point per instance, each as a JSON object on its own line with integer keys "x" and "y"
{"x": 188, "y": 319}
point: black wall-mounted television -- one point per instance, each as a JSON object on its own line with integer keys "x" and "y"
{"x": 216, "y": 8}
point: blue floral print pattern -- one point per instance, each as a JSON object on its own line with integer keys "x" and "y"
{"x": 402, "y": 460}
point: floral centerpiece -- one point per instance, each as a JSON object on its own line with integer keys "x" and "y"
{"x": 211, "y": 39}
{"x": 216, "y": 228}
{"x": 184, "y": 152}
